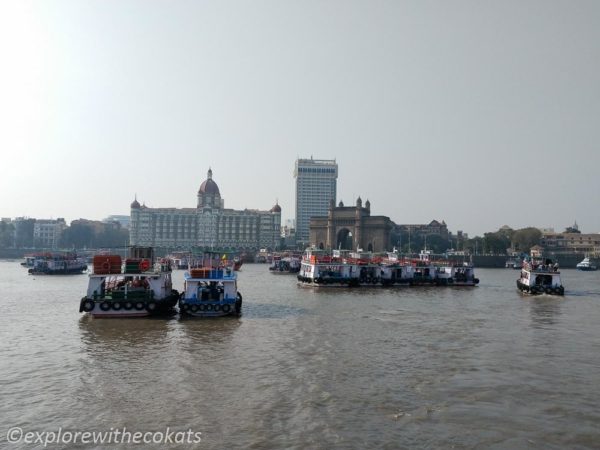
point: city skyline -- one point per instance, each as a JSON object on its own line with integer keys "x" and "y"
{"x": 480, "y": 115}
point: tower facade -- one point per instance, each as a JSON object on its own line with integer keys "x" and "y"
{"x": 316, "y": 187}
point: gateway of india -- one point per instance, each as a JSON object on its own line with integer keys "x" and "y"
{"x": 208, "y": 225}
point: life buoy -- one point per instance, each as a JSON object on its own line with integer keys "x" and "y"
{"x": 217, "y": 308}
{"x": 226, "y": 309}
{"x": 117, "y": 306}
{"x": 139, "y": 306}
{"x": 106, "y": 265}
{"x": 128, "y": 306}
{"x": 88, "y": 305}
{"x": 104, "y": 306}
{"x": 151, "y": 306}
{"x": 144, "y": 264}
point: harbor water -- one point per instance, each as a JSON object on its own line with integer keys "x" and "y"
{"x": 395, "y": 368}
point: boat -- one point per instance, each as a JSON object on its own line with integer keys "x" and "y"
{"x": 513, "y": 263}
{"x": 586, "y": 265}
{"x": 211, "y": 290}
{"x": 285, "y": 264}
{"x": 58, "y": 264}
{"x": 342, "y": 268}
{"x": 455, "y": 274}
{"x": 139, "y": 287}
{"x": 28, "y": 261}
{"x": 540, "y": 277}
{"x": 237, "y": 263}
{"x": 431, "y": 270}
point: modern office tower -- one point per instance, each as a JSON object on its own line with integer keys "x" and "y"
{"x": 316, "y": 187}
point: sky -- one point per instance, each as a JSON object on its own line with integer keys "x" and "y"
{"x": 479, "y": 113}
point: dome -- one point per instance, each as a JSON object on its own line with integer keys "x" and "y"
{"x": 135, "y": 204}
{"x": 208, "y": 186}
{"x": 276, "y": 208}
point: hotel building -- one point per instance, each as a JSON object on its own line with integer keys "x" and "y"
{"x": 209, "y": 224}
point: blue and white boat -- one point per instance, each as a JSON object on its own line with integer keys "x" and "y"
{"x": 211, "y": 291}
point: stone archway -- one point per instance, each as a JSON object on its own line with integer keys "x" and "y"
{"x": 344, "y": 240}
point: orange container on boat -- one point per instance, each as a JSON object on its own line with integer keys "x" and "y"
{"x": 199, "y": 273}
{"x": 107, "y": 264}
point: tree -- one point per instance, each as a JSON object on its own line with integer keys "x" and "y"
{"x": 7, "y": 235}
{"x": 525, "y": 238}
{"x": 78, "y": 235}
{"x": 496, "y": 243}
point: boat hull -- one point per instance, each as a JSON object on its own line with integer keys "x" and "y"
{"x": 539, "y": 290}
{"x": 202, "y": 308}
{"x": 125, "y": 308}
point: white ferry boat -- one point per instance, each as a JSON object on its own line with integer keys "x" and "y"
{"x": 586, "y": 265}
{"x": 540, "y": 278}
{"x": 57, "y": 264}
{"x": 319, "y": 268}
{"x": 141, "y": 287}
{"x": 456, "y": 275}
{"x": 284, "y": 264}
{"x": 211, "y": 290}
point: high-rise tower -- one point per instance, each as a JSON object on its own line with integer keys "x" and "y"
{"x": 316, "y": 187}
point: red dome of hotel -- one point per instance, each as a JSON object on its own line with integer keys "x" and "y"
{"x": 135, "y": 204}
{"x": 276, "y": 208}
{"x": 208, "y": 186}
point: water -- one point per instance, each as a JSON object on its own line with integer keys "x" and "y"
{"x": 384, "y": 368}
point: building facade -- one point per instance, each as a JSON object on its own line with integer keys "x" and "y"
{"x": 316, "y": 187}
{"x": 351, "y": 228}
{"x": 570, "y": 243}
{"x": 209, "y": 224}
{"x": 47, "y": 233}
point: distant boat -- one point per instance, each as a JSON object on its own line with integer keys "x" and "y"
{"x": 513, "y": 263}
{"x": 586, "y": 265}
{"x": 57, "y": 264}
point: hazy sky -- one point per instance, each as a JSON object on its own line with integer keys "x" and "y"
{"x": 480, "y": 113}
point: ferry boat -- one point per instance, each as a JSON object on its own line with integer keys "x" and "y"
{"x": 540, "y": 278}
{"x": 455, "y": 274}
{"x": 28, "y": 261}
{"x": 57, "y": 264}
{"x": 140, "y": 287}
{"x": 513, "y": 263}
{"x": 211, "y": 290}
{"x": 320, "y": 268}
{"x": 586, "y": 265}
{"x": 284, "y": 264}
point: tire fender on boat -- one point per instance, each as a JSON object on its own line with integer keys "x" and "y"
{"x": 87, "y": 305}
{"x": 151, "y": 306}
{"x": 226, "y": 309}
{"x": 105, "y": 306}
